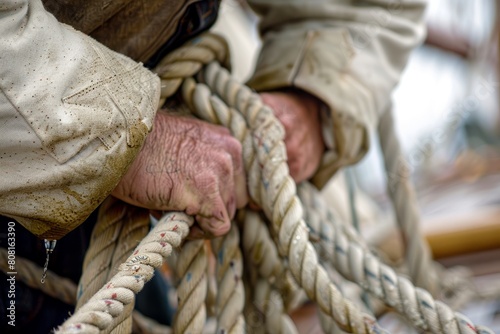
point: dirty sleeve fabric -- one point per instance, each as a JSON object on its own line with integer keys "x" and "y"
{"x": 73, "y": 116}
{"x": 349, "y": 54}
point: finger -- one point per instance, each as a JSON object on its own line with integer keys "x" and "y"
{"x": 226, "y": 186}
{"x": 231, "y": 207}
{"x": 213, "y": 227}
{"x": 234, "y": 148}
{"x": 213, "y": 216}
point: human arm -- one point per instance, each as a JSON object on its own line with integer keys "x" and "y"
{"x": 73, "y": 116}
{"x": 348, "y": 54}
{"x": 76, "y": 115}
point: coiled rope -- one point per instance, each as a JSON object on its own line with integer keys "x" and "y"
{"x": 417, "y": 305}
{"x": 218, "y": 98}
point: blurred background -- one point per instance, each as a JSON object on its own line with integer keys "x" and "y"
{"x": 448, "y": 120}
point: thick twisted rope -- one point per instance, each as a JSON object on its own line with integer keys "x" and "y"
{"x": 108, "y": 303}
{"x": 118, "y": 230}
{"x": 265, "y": 266}
{"x": 64, "y": 290}
{"x": 275, "y": 191}
{"x": 335, "y": 237}
{"x": 268, "y": 302}
{"x": 272, "y": 188}
{"x": 264, "y": 261}
{"x": 418, "y": 306}
{"x": 424, "y": 271}
{"x": 401, "y": 191}
{"x": 192, "y": 288}
{"x": 353, "y": 261}
{"x": 230, "y": 299}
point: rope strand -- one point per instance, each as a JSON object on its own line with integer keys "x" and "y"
{"x": 222, "y": 100}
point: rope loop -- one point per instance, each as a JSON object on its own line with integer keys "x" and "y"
{"x": 285, "y": 264}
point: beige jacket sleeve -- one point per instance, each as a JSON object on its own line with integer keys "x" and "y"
{"x": 349, "y": 54}
{"x": 73, "y": 115}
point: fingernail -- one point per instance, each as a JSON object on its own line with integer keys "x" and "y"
{"x": 215, "y": 223}
{"x": 219, "y": 215}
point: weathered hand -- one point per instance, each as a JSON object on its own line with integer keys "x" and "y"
{"x": 299, "y": 114}
{"x": 188, "y": 165}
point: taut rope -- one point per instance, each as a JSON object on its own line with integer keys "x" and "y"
{"x": 119, "y": 229}
{"x": 281, "y": 205}
{"x": 400, "y": 189}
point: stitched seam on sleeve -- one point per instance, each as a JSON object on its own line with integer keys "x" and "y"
{"x": 300, "y": 59}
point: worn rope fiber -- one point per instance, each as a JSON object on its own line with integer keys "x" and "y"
{"x": 191, "y": 267}
{"x": 349, "y": 318}
{"x": 263, "y": 260}
{"x": 402, "y": 195}
{"x": 286, "y": 213}
{"x": 118, "y": 230}
{"x": 268, "y": 282}
{"x": 272, "y": 188}
{"x": 230, "y": 299}
{"x": 64, "y": 289}
{"x": 108, "y": 303}
{"x": 287, "y": 222}
{"x": 354, "y": 262}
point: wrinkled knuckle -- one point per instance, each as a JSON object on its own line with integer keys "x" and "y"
{"x": 222, "y": 230}
{"x": 224, "y": 165}
{"x": 207, "y": 182}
